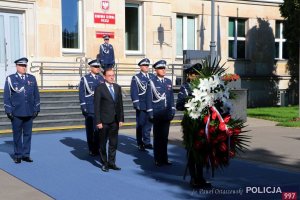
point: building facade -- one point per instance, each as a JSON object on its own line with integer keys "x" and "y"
{"x": 248, "y": 36}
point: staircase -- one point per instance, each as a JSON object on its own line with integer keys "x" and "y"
{"x": 60, "y": 110}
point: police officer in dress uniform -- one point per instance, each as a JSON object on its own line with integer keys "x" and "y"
{"x": 138, "y": 89}
{"x": 195, "y": 168}
{"x": 185, "y": 89}
{"x": 161, "y": 110}
{"x": 22, "y": 105}
{"x": 87, "y": 86}
{"x": 106, "y": 54}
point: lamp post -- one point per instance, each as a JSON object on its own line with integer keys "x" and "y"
{"x": 212, "y": 42}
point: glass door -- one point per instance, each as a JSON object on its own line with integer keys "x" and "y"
{"x": 11, "y": 43}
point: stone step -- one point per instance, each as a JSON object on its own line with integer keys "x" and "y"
{"x": 63, "y": 109}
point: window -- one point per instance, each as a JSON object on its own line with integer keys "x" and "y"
{"x": 236, "y": 38}
{"x": 185, "y": 34}
{"x": 71, "y": 25}
{"x": 281, "y": 51}
{"x": 133, "y": 32}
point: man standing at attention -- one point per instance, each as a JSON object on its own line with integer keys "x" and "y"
{"x": 161, "y": 109}
{"x": 109, "y": 116}
{"x": 138, "y": 89}
{"x": 106, "y": 54}
{"x": 87, "y": 86}
{"x": 22, "y": 105}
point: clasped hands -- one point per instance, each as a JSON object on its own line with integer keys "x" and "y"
{"x": 100, "y": 125}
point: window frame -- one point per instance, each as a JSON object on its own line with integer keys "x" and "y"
{"x": 140, "y": 30}
{"x": 236, "y": 38}
{"x": 80, "y": 32}
{"x": 281, "y": 40}
{"x": 185, "y": 32}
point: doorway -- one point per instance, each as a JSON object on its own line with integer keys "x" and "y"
{"x": 11, "y": 43}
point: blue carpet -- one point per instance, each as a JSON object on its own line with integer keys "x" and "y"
{"x": 63, "y": 170}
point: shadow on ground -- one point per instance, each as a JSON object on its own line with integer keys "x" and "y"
{"x": 268, "y": 157}
{"x": 172, "y": 175}
{"x": 80, "y": 150}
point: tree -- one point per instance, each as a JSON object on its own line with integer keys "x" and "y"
{"x": 290, "y": 11}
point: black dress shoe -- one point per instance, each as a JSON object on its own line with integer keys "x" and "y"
{"x": 148, "y": 146}
{"x": 202, "y": 184}
{"x": 92, "y": 154}
{"x": 168, "y": 162}
{"x": 27, "y": 159}
{"x": 17, "y": 160}
{"x": 205, "y": 184}
{"x": 141, "y": 147}
{"x": 114, "y": 167}
{"x": 158, "y": 164}
{"x": 105, "y": 168}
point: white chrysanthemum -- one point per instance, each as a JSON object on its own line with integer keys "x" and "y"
{"x": 204, "y": 85}
{"x": 197, "y": 94}
{"x": 191, "y": 104}
{"x": 194, "y": 114}
{"x": 214, "y": 81}
{"x": 205, "y": 94}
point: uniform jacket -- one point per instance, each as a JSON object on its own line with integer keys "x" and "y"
{"x": 86, "y": 91}
{"x": 21, "y": 97}
{"x": 184, "y": 92}
{"x": 108, "y": 110}
{"x": 106, "y": 54}
{"x": 138, "y": 88}
{"x": 160, "y": 99}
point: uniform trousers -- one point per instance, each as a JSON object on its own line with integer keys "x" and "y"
{"x": 22, "y": 131}
{"x": 160, "y": 140}
{"x": 91, "y": 133}
{"x": 107, "y": 66}
{"x": 195, "y": 169}
{"x": 108, "y": 132}
{"x": 143, "y": 127}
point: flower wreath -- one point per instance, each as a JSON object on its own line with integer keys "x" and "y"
{"x": 210, "y": 134}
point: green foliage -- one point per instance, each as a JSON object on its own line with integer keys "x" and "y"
{"x": 290, "y": 11}
{"x": 213, "y": 153}
{"x": 211, "y": 68}
{"x": 286, "y": 116}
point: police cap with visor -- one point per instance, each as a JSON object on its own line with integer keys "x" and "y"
{"x": 21, "y": 61}
{"x": 94, "y": 63}
{"x": 161, "y": 64}
{"x": 144, "y": 62}
{"x": 193, "y": 69}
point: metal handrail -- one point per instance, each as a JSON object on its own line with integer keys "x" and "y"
{"x": 81, "y": 67}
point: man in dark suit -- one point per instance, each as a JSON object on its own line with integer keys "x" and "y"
{"x": 109, "y": 117}
{"x": 87, "y": 86}
{"x": 22, "y": 105}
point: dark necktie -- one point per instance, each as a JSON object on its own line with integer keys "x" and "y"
{"x": 22, "y": 77}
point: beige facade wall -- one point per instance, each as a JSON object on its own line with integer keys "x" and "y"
{"x": 44, "y": 41}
